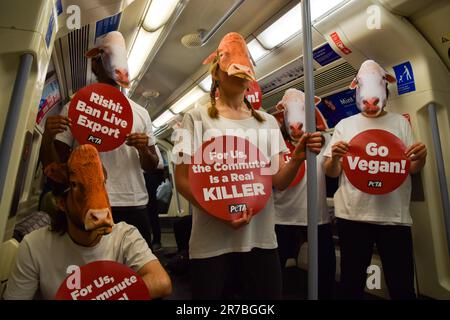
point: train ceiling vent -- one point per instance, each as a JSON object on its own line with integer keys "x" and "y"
{"x": 322, "y": 80}
{"x": 78, "y": 44}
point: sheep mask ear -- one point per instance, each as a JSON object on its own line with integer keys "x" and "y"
{"x": 389, "y": 78}
{"x": 280, "y": 106}
{"x": 317, "y": 100}
{"x": 354, "y": 83}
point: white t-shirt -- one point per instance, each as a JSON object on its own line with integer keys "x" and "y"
{"x": 211, "y": 236}
{"x": 351, "y": 203}
{"x": 125, "y": 183}
{"x": 44, "y": 256}
{"x": 291, "y": 204}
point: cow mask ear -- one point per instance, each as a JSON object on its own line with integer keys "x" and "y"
{"x": 57, "y": 172}
{"x": 354, "y": 83}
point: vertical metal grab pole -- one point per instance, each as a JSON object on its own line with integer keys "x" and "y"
{"x": 311, "y": 165}
{"x": 12, "y": 119}
{"x": 441, "y": 169}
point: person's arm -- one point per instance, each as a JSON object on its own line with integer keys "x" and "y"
{"x": 160, "y": 164}
{"x": 23, "y": 281}
{"x": 156, "y": 279}
{"x": 147, "y": 154}
{"x": 332, "y": 165}
{"x": 51, "y": 149}
{"x": 418, "y": 156}
{"x": 139, "y": 257}
{"x": 288, "y": 171}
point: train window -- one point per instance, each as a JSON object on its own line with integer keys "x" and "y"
{"x": 51, "y": 100}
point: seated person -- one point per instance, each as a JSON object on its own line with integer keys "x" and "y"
{"x": 77, "y": 235}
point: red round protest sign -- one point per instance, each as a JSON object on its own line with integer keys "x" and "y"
{"x": 376, "y": 162}
{"x": 101, "y": 115}
{"x": 228, "y": 175}
{"x": 301, "y": 170}
{"x": 102, "y": 280}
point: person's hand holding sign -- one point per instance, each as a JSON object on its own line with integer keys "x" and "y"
{"x": 147, "y": 154}
{"x": 417, "y": 153}
{"x": 333, "y": 166}
{"x": 313, "y": 141}
{"x": 243, "y": 220}
{"x": 299, "y": 152}
{"x": 339, "y": 149}
{"x": 137, "y": 140}
{"x": 56, "y": 124}
{"x": 288, "y": 171}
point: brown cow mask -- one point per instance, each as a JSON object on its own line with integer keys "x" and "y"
{"x": 233, "y": 57}
{"x": 86, "y": 202}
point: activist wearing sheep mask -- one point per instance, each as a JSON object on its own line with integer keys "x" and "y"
{"x": 371, "y": 88}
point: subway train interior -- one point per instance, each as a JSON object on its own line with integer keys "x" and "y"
{"x": 43, "y": 66}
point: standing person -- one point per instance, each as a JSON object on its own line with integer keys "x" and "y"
{"x": 366, "y": 219}
{"x": 219, "y": 249}
{"x": 291, "y": 210}
{"x": 125, "y": 164}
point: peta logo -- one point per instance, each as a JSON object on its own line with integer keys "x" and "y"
{"x": 237, "y": 208}
{"x": 374, "y": 184}
{"x": 95, "y": 140}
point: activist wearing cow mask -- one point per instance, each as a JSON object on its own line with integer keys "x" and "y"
{"x": 375, "y": 149}
{"x": 81, "y": 233}
{"x": 291, "y": 204}
{"x": 126, "y": 163}
{"x": 245, "y": 247}
{"x": 81, "y": 196}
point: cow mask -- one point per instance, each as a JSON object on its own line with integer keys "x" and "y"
{"x": 86, "y": 201}
{"x": 233, "y": 57}
{"x": 371, "y": 90}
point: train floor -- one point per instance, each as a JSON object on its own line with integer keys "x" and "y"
{"x": 294, "y": 279}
